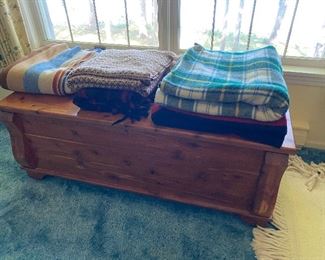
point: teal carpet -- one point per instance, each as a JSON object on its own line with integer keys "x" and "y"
{"x": 62, "y": 219}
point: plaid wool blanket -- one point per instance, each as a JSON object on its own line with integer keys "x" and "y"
{"x": 134, "y": 70}
{"x": 44, "y": 70}
{"x": 242, "y": 84}
{"x": 230, "y": 109}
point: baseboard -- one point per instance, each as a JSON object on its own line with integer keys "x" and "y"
{"x": 300, "y": 132}
{"x": 315, "y": 144}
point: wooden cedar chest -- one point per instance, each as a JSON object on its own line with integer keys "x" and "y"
{"x": 51, "y": 136}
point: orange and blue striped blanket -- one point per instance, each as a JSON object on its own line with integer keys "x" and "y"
{"x": 44, "y": 70}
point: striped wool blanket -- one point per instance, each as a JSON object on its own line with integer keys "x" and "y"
{"x": 44, "y": 70}
{"x": 135, "y": 70}
{"x": 246, "y": 84}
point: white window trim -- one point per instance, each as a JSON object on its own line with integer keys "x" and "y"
{"x": 299, "y": 71}
{"x": 169, "y": 24}
{"x": 35, "y": 31}
{"x": 304, "y": 71}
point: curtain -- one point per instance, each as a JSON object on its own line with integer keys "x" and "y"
{"x": 13, "y": 38}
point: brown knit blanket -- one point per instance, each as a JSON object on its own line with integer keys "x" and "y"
{"x": 135, "y": 70}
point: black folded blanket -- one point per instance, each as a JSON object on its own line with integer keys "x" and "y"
{"x": 129, "y": 103}
{"x": 271, "y": 133}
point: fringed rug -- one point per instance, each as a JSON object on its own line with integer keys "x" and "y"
{"x": 298, "y": 218}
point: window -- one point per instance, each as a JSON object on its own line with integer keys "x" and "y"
{"x": 132, "y": 23}
{"x": 294, "y": 27}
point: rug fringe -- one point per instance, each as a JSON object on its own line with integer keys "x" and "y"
{"x": 269, "y": 243}
{"x": 314, "y": 173}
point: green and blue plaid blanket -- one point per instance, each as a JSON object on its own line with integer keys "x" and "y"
{"x": 243, "y": 84}
{"x": 239, "y": 109}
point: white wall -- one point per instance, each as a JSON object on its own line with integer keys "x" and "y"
{"x": 308, "y": 114}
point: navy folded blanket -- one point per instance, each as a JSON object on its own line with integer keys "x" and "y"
{"x": 270, "y": 133}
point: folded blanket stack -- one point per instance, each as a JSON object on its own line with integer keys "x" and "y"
{"x": 121, "y": 81}
{"x": 44, "y": 70}
{"x": 246, "y": 85}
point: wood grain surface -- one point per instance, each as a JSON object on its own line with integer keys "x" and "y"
{"x": 52, "y": 136}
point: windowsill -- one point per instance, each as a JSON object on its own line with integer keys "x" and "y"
{"x": 303, "y": 75}
{"x": 304, "y": 70}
